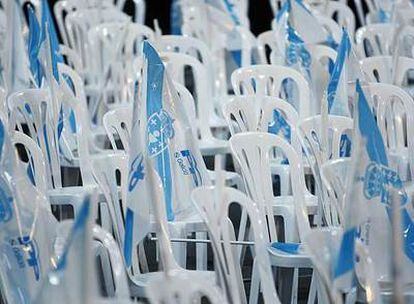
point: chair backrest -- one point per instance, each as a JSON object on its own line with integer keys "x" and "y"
{"x": 118, "y": 124}
{"x": 331, "y": 27}
{"x": 379, "y": 69}
{"x": 257, "y": 113}
{"x": 79, "y": 22}
{"x": 269, "y": 80}
{"x": 177, "y": 64}
{"x": 266, "y": 44}
{"x": 107, "y": 170}
{"x": 374, "y": 40}
{"x": 72, "y": 58}
{"x": 189, "y": 46}
{"x": 31, "y": 109}
{"x": 339, "y": 12}
{"x": 338, "y": 128}
{"x": 406, "y": 41}
{"x": 36, "y": 166}
{"x": 61, "y": 9}
{"x": 213, "y": 204}
{"x": 334, "y": 177}
{"x": 323, "y": 58}
{"x": 394, "y": 118}
{"x": 253, "y": 152}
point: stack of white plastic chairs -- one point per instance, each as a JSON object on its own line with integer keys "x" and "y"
{"x": 206, "y": 165}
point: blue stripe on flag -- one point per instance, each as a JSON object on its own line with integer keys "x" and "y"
{"x": 129, "y": 227}
{"x": 343, "y": 53}
{"x": 346, "y": 258}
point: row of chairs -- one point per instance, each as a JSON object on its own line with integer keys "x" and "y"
{"x": 231, "y": 110}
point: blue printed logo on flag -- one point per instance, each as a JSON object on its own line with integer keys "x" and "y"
{"x": 160, "y": 130}
{"x": 136, "y": 173}
{"x": 26, "y": 253}
{"x": 191, "y": 167}
{"x": 376, "y": 181}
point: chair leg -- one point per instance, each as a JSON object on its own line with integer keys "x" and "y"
{"x": 312, "y": 288}
{"x": 255, "y": 284}
{"x": 295, "y": 281}
{"x": 142, "y": 257}
{"x": 242, "y": 234}
{"x": 106, "y": 222}
{"x": 201, "y": 251}
{"x": 179, "y": 249}
{"x": 107, "y": 277}
{"x": 284, "y": 182}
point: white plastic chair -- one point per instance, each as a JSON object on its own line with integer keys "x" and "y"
{"x": 338, "y": 143}
{"x": 267, "y": 43}
{"x": 252, "y": 150}
{"x": 213, "y": 203}
{"x": 35, "y": 161}
{"x": 72, "y": 58}
{"x": 336, "y": 125}
{"x": 394, "y": 107}
{"x": 374, "y": 40}
{"x": 32, "y": 109}
{"x": 267, "y": 80}
{"x": 193, "y": 47}
{"x": 334, "y": 175}
{"x": 79, "y": 22}
{"x": 322, "y": 57}
{"x": 340, "y": 12}
{"x": 379, "y": 69}
{"x": 61, "y": 9}
{"x": 255, "y": 113}
{"x": 331, "y": 27}
{"x": 176, "y": 64}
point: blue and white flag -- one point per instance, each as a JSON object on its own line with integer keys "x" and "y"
{"x": 169, "y": 140}
{"x": 26, "y": 227}
{"x": 161, "y": 133}
{"x": 344, "y": 70}
{"x": 137, "y": 218}
{"x": 368, "y": 207}
{"x": 295, "y": 28}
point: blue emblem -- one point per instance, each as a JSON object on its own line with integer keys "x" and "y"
{"x": 26, "y": 252}
{"x": 376, "y": 181}
{"x": 5, "y": 206}
{"x": 136, "y": 173}
{"x": 191, "y": 168}
{"x": 160, "y": 130}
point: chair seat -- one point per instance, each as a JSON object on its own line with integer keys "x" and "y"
{"x": 137, "y": 283}
{"x": 280, "y": 202}
{"x": 213, "y": 146}
{"x": 189, "y": 222}
{"x": 217, "y": 122}
{"x": 289, "y": 255}
{"x": 231, "y": 178}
